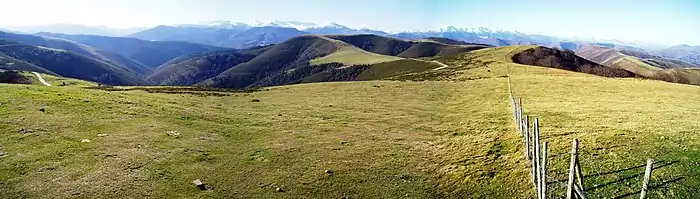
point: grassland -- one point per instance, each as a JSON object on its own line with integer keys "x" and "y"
{"x": 450, "y": 136}
{"x": 635, "y": 65}
{"x": 351, "y": 55}
{"x": 57, "y": 80}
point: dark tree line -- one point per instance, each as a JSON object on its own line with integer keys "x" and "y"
{"x": 305, "y": 73}
{"x": 13, "y": 77}
{"x": 567, "y": 60}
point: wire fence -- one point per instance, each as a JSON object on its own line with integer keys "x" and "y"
{"x": 536, "y": 152}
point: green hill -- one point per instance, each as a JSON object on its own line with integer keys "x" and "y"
{"x": 77, "y": 48}
{"x": 351, "y": 55}
{"x": 72, "y": 65}
{"x": 643, "y": 64}
{"x": 198, "y": 68}
{"x": 296, "y": 52}
{"x": 295, "y": 61}
{"x": 408, "y": 49}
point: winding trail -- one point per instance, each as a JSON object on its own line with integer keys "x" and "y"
{"x": 41, "y": 79}
{"x": 441, "y": 65}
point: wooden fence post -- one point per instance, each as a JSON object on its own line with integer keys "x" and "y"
{"x": 544, "y": 171}
{"x": 579, "y": 173}
{"x": 647, "y": 177}
{"x": 536, "y": 159}
{"x": 579, "y": 191}
{"x": 520, "y": 113}
{"x": 527, "y": 138}
{"x": 572, "y": 167}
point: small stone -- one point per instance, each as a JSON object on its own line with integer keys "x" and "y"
{"x": 329, "y": 172}
{"x": 42, "y": 109}
{"x": 173, "y": 133}
{"x": 279, "y": 189}
{"x": 200, "y": 185}
{"x": 85, "y": 141}
{"x": 101, "y": 135}
{"x": 2, "y": 154}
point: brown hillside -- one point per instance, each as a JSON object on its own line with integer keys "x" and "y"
{"x": 567, "y": 60}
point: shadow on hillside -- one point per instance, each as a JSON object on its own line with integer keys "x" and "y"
{"x": 656, "y": 165}
{"x": 652, "y": 187}
{"x": 199, "y": 91}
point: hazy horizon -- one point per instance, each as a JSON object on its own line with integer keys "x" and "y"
{"x": 670, "y": 22}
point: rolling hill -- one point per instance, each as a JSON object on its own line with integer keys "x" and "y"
{"x": 150, "y": 54}
{"x": 72, "y": 65}
{"x": 77, "y": 48}
{"x": 11, "y": 63}
{"x": 567, "y": 60}
{"x": 643, "y": 64}
{"x": 295, "y": 52}
{"x": 308, "y": 58}
{"x": 350, "y": 55}
{"x": 685, "y": 53}
{"x": 407, "y": 49}
{"x": 198, "y": 68}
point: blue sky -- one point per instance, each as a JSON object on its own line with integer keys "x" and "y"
{"x": 659, "y": 21}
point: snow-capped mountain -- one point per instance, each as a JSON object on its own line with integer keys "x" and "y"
{"x": 286, "y": 24}
{"x": 218, "y": 24}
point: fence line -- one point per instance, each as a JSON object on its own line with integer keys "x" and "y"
{"x": 535, "y": 151}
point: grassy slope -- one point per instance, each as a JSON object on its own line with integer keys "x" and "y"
{"x": 351, "y": 55}
{"x": 450, "y": 139}
{"x": 613, "y": 58}
{"x": 394, "y": 68}
{"x": 58, "y": 80}
{"x": 376, "y": 148}
{"x": 616, "y": 59}
{"x": 635, "y": 65}
{"x": 621, "y": 123}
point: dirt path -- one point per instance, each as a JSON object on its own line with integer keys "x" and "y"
{"x": 41, "y": 79}
{"x": 441, "y": 65}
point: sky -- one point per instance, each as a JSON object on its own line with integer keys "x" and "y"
{"x": 667, "y": 22}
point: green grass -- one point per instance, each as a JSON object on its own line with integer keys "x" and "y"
{"x": 374, "y": 146}
{"x": 636, "y": 66}
{"x": 351, "y": 55}
{"x": 394, "y": 68}
{"x": 57, "y": 80}
{"x": 451, "y": 138}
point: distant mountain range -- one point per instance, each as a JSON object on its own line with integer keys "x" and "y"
{"x": 239, "y": 55}
{"x": 73, "y": 29}
{"x": 242, "y": 35}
